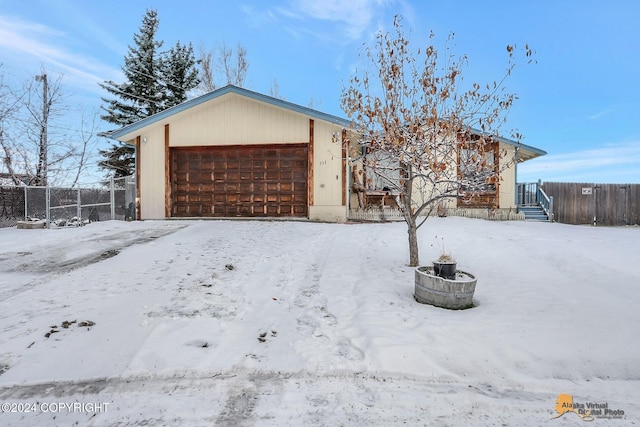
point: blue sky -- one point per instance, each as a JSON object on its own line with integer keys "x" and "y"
{"x": 580, "y": 102}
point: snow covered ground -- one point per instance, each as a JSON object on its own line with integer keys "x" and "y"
{"x": 273, "y": 323}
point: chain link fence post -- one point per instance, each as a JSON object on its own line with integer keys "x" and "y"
{"x": 47, "y": 196}
{"x": 25, "y": 203}
{"x": 112, "y": 197}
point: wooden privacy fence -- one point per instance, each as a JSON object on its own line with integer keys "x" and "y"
{"x": 597, "y": 204}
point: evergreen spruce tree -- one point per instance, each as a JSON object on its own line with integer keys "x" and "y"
{"x": 118, "y": 159}
{"x": 141, "y": 94}
{"x": 154, "y": 81}
{"x": 180, "y": 74}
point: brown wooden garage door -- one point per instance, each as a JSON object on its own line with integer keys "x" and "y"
{"x": 239, "y": 181}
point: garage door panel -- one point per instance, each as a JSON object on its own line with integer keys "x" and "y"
{"x": 286, "y": 187}
{"x": 257, "y": 209}
{"x": 272, "y": 210}
{"x": 286, "y": 209}
{"x": 230, "y": 154}
{"x": 240, "y": 181}
{"x": 259, "y": 187}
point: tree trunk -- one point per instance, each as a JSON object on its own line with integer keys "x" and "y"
{"x": 412, "y": 230}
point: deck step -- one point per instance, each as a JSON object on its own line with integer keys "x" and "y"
{"x": 533, "y": 213}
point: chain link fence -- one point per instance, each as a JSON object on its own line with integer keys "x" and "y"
{"x": 114, "y": 200}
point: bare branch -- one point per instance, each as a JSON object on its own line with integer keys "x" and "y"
{"x": 425, "y": 135}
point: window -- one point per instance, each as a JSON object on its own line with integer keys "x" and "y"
{"x": 477, "y": 171}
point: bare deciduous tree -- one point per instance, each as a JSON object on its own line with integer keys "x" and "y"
{"x": 426, "y": 136}
{"x": 207, "y": 70}
{"x": 9, "y": 105}
{"x": 274, "y": 90}
{"x": 34, "y": 146}
{"x": 233, "y": 70}
{"x": 85, "y": 151}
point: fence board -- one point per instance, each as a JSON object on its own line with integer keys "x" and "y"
{"x": 598, "y": 204}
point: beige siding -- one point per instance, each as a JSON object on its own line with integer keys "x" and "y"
{"x": 233, "y": 120}
{"x": 152, "y": 173}
{"x": 327, "y": 166}
{"x": 507, "y": 178}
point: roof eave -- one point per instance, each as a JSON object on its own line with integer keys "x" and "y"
{"x": 528, "y": 151}
{"x": 121, "y": 134}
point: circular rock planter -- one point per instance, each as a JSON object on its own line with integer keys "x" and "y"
{"x": 455, "y": 294}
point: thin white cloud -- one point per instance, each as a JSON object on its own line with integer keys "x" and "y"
{"x": 39, "y": 45}
{"x": 27, "y": 37}
{"x": 612, "y": 162}
{"x": 340, "y": 20}
{"x": 257, "y": 18}
{"x": 600, "y": 114}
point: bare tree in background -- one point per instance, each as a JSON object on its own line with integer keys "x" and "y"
{"x": 35, "y": 148}
{"x": 9, "y": 106}
{"x": 207, "y": 70}
{"x": 313, "y": 103}
{"x": 274, "y": 90}
{"x": 86, "y": 149}
{"x": 227, "y": 67}
{"x": 426, "y": 136}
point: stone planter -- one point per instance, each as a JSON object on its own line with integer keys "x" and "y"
{"x": 455, "y": 294}
{"x": 30, "y": 225}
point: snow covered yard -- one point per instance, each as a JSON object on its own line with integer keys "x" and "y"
{"x": 296, "y": 323}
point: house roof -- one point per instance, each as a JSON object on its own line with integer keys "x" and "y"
{"x": 126, "y": 130}
{"x": 525, "y": 152}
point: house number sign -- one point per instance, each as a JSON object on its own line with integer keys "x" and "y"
{"x": 586, "y": 191}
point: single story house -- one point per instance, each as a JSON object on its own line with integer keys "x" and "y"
{"x": 237, "y": 153}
